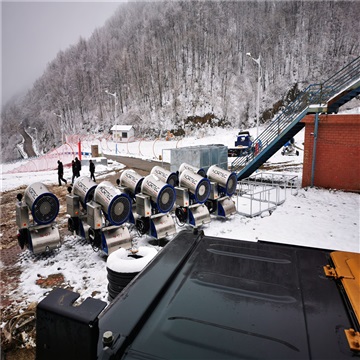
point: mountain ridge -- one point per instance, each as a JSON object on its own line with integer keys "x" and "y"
{"x": 170, "y": 62}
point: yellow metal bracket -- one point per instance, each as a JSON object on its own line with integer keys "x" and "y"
{"x": 346, "y": 266}
{"x": 330, "y": 271}
{"x": 353, "y": 338}
{"x": 347, "y": 269}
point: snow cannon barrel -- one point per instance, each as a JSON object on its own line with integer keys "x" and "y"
{"x": 227, "y": 180}
{"x": 84, "y": 188}
{"x": 161, "y": 193}
{"x": 132, "y": 180}
{"x": 199, "y": 171}
{"x": 44, "y": 205}
{"x": 115, "y": 204}
{"x": 199, "y": 186}
{"x": 171, "y": 178}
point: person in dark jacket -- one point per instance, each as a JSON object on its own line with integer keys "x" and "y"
{"x": 92, "y": 170}
{"x": 61, "y": 173}
{"x": 74, "y": 171}
{"x": 78, "y": 166}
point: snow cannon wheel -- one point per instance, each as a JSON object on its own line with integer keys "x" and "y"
{"x": 181, "y": 214}
{"x": 73, "y": 224}
{"x": 23, "y": 238}
{"x": 143, "y": 225}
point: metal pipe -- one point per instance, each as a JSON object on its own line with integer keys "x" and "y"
{"x": 314, "y": 149}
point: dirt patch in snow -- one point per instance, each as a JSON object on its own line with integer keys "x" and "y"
{"x": 20, "y": 344}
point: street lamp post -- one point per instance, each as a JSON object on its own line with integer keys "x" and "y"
{"x": 258, "y": 93}
{"x": 115, "y": 103}
{"x": 62, "y": 126}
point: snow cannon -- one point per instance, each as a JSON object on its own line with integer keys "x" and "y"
{"x": 131, "y": 181}
{"x": 226, "y": 180}
{"x": 199, "y": 171}
{"x": 81, "y": 193}
{"x": 223, "y": 186}
{"x": 106, "y": 215}
{"x": 171, "y": 178}
{"x": 84, "y": 188}
{"x": 153, "y": 205}
{"x": 197, "y": 185}
{"x": 115, "y": 204}
{"x": 42, "y": 235}
{"x": 162, "y": 194}
{"x": 44, "y": 205}
{"x": 193, "y": 191}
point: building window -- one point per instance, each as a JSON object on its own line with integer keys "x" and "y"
{"x": 124, "y": 135}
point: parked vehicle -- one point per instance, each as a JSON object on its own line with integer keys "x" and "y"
{"x": 243, "y": 144}
{"x": 204, "y": 297}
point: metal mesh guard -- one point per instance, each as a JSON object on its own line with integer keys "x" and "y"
{"x": 45, "y": 209}
{"x": 231, "y": 184}
{"x": 120, "y": 210}
{"x": 166, "y": 199}
{"x": 89, "y": 195}
{"x": 203, "y": 191}
{"x": 173, "y": 179}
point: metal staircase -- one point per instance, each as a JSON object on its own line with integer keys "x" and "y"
{"x": 327, "y": 97}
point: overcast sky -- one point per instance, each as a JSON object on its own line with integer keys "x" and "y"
{"x": 34, "y": 32}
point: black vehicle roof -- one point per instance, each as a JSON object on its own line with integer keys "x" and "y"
{"x": 213, "y": 298}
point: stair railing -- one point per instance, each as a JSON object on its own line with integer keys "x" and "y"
{"x": 315, "y": 94}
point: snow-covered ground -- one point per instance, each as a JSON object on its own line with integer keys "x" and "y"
{"x": 311, "y": 217}
{"x": 148, "y": 150}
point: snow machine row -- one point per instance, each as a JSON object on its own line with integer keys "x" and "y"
{"x": 105, "y": 214}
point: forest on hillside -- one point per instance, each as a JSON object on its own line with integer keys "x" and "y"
{"x": 172, "y": 61}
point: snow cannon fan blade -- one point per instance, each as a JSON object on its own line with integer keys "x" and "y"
{"x": 161, "y": 193}
{"x": 227, "y": 180}
{"x": 199, "y": 186}
{"x": 132, "y": 180}
{"x": 115, "y": 204}
{"x": 44, "y": 206}
{"x": 171, "y": 178}
{"x": 84, "y": 187}
{"x": 199, "y": 171}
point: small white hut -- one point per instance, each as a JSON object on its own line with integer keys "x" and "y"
{"x": 123, "y": 133}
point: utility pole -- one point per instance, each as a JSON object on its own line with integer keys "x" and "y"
{"x": 115, "y": 103}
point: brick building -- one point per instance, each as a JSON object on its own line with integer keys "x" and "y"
{"x": 337, "y": 158}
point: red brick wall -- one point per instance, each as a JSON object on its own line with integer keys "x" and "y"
{"x": 337, "y": 163}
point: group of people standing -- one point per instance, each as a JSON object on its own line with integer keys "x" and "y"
{"x": 76, "y": 168}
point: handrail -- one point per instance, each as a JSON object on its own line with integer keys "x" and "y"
{"x": 314, "y": 94}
